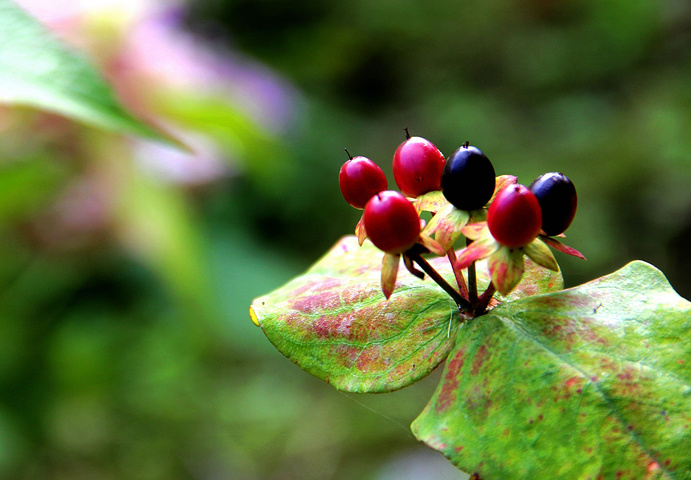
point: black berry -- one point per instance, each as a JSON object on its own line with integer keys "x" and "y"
{"x": 558, "y": 201}
{"x": 468, "y": 178}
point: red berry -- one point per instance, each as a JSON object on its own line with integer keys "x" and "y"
{"x": 417, "y": 167}
{"x": 558, "y": 200}
{"x": 360, "y": 178}
{"x": 514, "y": 217}
{"x": 391, "y": 222}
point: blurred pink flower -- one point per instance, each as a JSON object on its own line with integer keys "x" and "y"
{"x": 145, "y": 51}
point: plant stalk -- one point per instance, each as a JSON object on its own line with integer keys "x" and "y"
{"x": 472, "y": 279}
{"x": 460, "y": 279}
{"x": 462, "y": 303}
{"x": 484, "y": 300}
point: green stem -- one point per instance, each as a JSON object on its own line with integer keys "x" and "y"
{"x": 472, "y": 284}
{"x": 462, "y": 303}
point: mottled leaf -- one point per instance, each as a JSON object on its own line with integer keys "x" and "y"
{"x": 334, "y": 322}
{"x": 592, "y": 382}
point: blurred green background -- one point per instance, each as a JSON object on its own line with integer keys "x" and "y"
{"x": 126, "y": 350}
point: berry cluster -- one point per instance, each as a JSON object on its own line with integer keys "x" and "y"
{"x": 500, "y": 219}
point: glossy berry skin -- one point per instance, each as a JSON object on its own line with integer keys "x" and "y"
{"x": 514, "y": 218}
{"x": 558, "y": 200}
{"x": 391, "y": 222}
{"x": 468, "y": 178}
{"x": 360, "y": 178}
{"x": 417, "y": 167}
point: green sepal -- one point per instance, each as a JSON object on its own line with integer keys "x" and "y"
{"x": 389, "y": 272}
{"x": 434, "y": 201}
{"x": 506, "y": 268}
{"x": 541, "y": 254}
{"x": 482, "y": 247}
{"x": 446, "y": 225}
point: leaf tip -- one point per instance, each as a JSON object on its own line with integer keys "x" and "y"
{"x": 253, "y": 316}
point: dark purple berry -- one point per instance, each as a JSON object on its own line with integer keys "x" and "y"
{"x": 558, "y": 200}
{"x": 468, "y": 178}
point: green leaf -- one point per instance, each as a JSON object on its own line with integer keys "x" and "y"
{"x": 591, "y": 382}
{"x": 37, "y": 71}
{"x": 334, "y": 322}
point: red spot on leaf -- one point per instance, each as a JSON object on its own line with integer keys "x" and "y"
{"x": 293, "y": 319}
{"x": 322, "y": 327}
{"x": 570, "y": 385}
{"x": 608, "y": 365}
{"x": 629, "y": 382}
{"x": 572, "y": 381}
{"x": 653, "y": 467}
{"x": 447, "y": 395}
{"x": 480, "y": 358}
{"x": 371, "y": 359}
{"x": 317, "y": 299}
{"x": 478, "y": 404}
{"x": 680, "y": 362}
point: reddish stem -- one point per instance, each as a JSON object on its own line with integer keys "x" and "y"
{"x": 484, "y": 300}
{"x": 460, "y": 279}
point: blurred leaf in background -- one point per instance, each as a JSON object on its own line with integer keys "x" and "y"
{"x": 125, "y": 346}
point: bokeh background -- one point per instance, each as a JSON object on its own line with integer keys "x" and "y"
{"x": 127, "y": 267}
